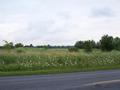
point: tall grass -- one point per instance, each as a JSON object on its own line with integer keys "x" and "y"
{"x": 40, "y": 59}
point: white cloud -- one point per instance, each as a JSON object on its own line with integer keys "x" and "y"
{"x": 58, "y": 21}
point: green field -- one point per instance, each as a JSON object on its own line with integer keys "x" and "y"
{"x": 26, "y": 61}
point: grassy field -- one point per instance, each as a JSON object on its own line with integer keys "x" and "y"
{"x": 27, "y": 61}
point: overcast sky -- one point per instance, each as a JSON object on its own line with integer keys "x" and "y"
{"x": 58, "y": 22}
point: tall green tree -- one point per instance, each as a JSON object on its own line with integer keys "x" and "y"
{"x": 88, "y": 46}
{"x": 79, "y": 44}
{"x": 106, "y": 43}
{"x": 93, "y": 44}
{"x": 8, "y": 45}
{"x": 19, "y": 45}
{"x": 116, "y": 43}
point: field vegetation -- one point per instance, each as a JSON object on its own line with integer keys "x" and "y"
{"x": 84, "y": 56}
{"x": 56, "y": 60}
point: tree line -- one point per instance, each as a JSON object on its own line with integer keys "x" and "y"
{"x": 106, "y": 43}
{"x": 11, "y": 45}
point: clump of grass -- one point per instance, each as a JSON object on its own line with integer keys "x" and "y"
{"x": 20, "y": 50}
{"x": 73, "y": 49}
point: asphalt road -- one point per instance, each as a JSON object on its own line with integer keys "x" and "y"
{"x": 100, "y": 80}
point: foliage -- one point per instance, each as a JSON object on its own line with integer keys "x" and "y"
{"x": 20, "y": 50}
{"x": 36, "y": 59}
{"x": 73, "y": 49}
{"x": 79, "y": 44}
{"x": 98, "y": 45}
{"x": 88, "y": 46}
{"x": 92, "y": 43}
{"x": 19, "y": 45}
{"x": 31, "y": 45}
{"x": 8, "y": 45}
{"x": 107, "y": 43}
{"x": 46, "y": 46}
{"x": 116, "y": 43}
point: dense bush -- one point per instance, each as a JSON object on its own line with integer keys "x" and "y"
{"x": 20, "y": 51}
{"x": 79, "y": 44}
{"x": 73, "y": 49}
{"x": 88, "y": 46}
{"x": 18, "y": 45}
{"x": 8, "y": 46}
{"x": 107, "y": 43}
{"x": 116, "y": 43}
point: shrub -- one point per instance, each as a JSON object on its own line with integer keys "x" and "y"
{"x": 20, "y": 51}
{"x": 79, "y": 44}
{"x": 107, "y": 43}
{"x": 73, "y": 49}
{"x": 18, "y": 45}
{"x": 88, "y": 46}
{"x": 8, "y": 46}
{"x": 116, "y": 43}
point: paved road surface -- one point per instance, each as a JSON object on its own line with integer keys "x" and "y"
{"x": 100, "y": 80}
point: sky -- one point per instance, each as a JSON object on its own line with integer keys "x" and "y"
{"x": 58, "y": 22}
